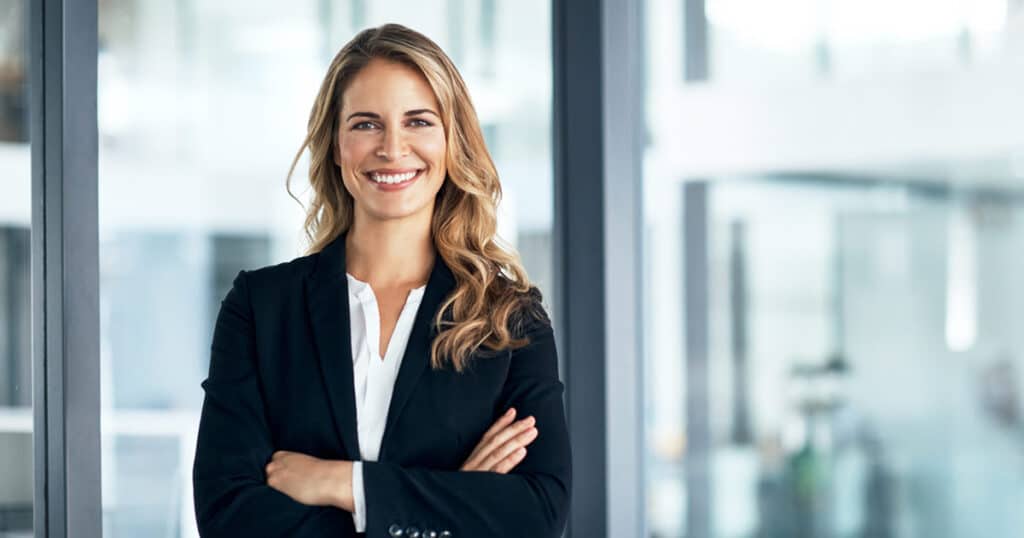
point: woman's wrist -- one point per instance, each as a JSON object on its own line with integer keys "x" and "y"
{"x": 341, "y": 490}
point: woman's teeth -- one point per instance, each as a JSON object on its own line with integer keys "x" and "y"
{"x": 396, "y": 178}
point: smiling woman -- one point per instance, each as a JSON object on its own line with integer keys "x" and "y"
{"x": 385, "y": 148}
{"x": 192, "y": 191}
{"x": 372, "y": 387}
{"x": 384, "y": 75}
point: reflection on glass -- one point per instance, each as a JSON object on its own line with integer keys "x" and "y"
{"x": 16, "y": 456}
{"x": 865, "y": 365}
{"x": 201, "y": 108}
{"x": 837, "y": 404}
{"x": 799, "y": 40}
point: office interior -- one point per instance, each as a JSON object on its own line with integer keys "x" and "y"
{"x": 831, "y": 195}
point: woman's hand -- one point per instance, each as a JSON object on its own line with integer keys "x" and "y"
{"x": 312, "y": 481}
{"x": 503, "y": 446}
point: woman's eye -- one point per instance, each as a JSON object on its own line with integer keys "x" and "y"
{"x": 366, "y": 125}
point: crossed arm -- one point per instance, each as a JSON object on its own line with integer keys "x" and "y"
{"x": 243, "y": 487}
{"x": 320, "y": 482}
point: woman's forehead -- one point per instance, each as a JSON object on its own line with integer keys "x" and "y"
{"x": 389, "y": 86}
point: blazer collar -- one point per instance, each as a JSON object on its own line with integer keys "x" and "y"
{"x": 326, "y": 289}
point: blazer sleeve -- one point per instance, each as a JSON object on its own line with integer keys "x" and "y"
{"x": 532, "y": 500}
{"x": 234, "y": 445}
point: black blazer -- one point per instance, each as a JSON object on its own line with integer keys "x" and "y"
{"x": 280, "y": 378}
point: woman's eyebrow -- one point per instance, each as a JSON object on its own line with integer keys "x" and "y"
{"x": 419, "y": 111}
{"x": 374, "y": 115}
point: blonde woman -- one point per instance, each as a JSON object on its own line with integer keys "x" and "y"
{"x": 401, "y": 379}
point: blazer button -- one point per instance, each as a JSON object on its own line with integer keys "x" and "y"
{"x": 395, "y": 530}
{"x": 429, "y": 533}
{"x": 412, "y": 532}
{"x": 446, "y": 534}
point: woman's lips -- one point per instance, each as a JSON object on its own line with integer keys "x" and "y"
{"x": 395, "y": 186}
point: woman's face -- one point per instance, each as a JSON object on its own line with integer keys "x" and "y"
{"x": 391, "y": 142}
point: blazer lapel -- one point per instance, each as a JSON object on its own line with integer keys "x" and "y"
{"x": 416, "y": 358}
{"x": 327, "y": 302}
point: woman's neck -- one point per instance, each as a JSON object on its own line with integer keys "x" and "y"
{"x": 388, "y": 254}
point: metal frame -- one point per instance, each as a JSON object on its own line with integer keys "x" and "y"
{"x": 65, "y": 268}
{"x": 578, "y": 155}
{"x": 598, "y": 119}
{"x": 695, "y": 298}
{"x": 624, "y": 125}
{"x": 695, "y": 41}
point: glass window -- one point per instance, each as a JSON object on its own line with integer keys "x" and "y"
{"x": 864, "y": 367}
{"x": 16, "y": 463}
{"x": 201, "y": 109}
{"x": 795, "y": 41}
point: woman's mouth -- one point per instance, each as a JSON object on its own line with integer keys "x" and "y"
{"x": 393, "y": 180}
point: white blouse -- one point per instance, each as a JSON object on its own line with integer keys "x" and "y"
{"x": 374, "y": 376}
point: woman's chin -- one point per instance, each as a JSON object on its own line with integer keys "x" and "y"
{"x": 393, "y": 212}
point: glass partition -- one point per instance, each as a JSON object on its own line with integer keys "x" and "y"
{"x": 864, "y": 367}
{"x": 848, "y": 173}
{"x": 16, "y": 453}
{"x": 792, "y": 41}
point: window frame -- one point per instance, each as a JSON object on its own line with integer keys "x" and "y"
{"x": 62, "y": 47}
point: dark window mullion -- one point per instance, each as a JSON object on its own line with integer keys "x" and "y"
{"x": 65, "y": 268}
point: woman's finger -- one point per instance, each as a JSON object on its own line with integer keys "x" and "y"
{"x": 503, "y": 421}
{"x": 511, "y": 461}
{"x": 487, "y": 445}
{"x": 510, "y": 446}
{"x": 503, "y": 436}
{"x": 509, "y": 432}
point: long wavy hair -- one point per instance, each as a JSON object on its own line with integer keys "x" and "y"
{"x": 493, "y": 300}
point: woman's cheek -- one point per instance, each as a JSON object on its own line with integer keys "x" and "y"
{"x": 355, "y": 148}
{"x": 433, "y": 143}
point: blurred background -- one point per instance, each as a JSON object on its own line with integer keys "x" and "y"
{"x": 849, "y": 174}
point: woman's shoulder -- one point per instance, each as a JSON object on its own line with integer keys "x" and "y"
{"x": 278, "y": 276}
{"x": 529, "y": 316}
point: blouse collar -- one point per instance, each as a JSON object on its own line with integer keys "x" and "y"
{"x": 364, "y": 292}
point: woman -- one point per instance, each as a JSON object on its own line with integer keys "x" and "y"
{"x": 389, "y": 382}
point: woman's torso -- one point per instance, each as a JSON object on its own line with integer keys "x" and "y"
{"x": 304, "y": 366}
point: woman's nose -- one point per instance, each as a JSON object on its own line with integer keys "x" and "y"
{"x": 394, "y": 145}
